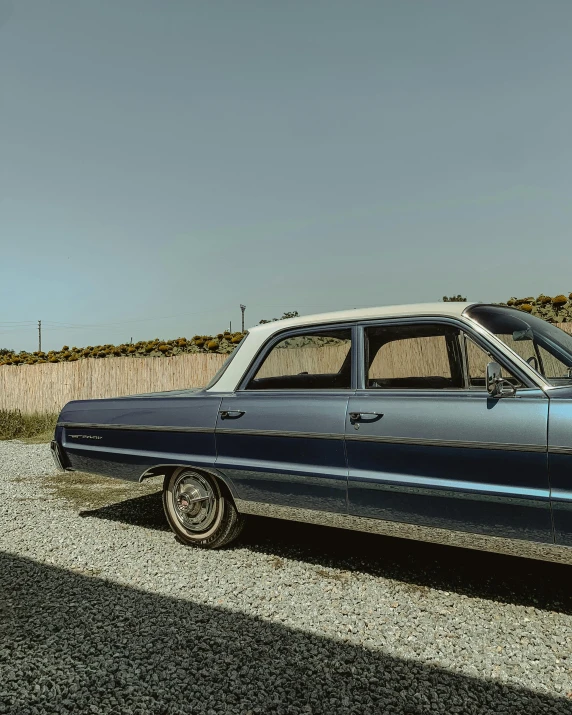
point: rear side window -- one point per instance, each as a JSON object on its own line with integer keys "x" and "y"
{"x": 314, "y": 360}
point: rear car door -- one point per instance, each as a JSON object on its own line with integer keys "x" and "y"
{"x": 427, "y": 445}
{"x": 280, "y": 437}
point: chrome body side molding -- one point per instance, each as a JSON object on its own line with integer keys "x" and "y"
{"x": 468, "y": 540}
{"x": 280, "y": 433}
{"x": 447, "y": 443}
{"x": 414, "y": 441}
{"x": 137, "y": 428}
{"x": 560, "y": 450}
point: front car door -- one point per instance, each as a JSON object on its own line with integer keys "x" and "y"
{"x": 280, "y": 436}
{"x": 548, "y": 350}
{"x": 427, "y": 445}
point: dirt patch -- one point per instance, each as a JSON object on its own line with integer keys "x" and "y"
{"x": 92, "y": 491}
{"x": 334, "y": 575}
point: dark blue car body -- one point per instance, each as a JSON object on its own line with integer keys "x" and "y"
{"x": 450, "y": 466}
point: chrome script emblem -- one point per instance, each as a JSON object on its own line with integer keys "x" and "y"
{"x": 84, "y": 436}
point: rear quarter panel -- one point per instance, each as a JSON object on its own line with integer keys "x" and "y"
{"x": 124, "y": 437}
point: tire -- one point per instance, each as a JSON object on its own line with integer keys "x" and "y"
{"x": 199, "y": 509}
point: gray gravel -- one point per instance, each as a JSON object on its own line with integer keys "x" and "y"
{"x": 102, "y": 611}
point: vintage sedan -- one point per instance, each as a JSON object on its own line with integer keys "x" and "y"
{"x": 446, "y": 422}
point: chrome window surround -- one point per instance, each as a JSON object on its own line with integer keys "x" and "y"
{"x": 263, "y": 352}
{"x": 509, "y": 354}
{"x": 507, "y": 358}
{"x": 479, "y": 337}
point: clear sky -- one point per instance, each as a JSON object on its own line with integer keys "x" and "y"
{"x": 180, "y": 157}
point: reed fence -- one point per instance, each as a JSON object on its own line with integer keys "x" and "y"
{"x": 46, "y": 388}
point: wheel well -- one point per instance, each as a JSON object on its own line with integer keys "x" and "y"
{"x": 168, "y": 469}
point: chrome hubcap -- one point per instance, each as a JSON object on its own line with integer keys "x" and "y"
{"x": 194, "y": 501}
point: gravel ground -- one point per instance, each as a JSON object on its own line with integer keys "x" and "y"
{"x": 102, "y": 611}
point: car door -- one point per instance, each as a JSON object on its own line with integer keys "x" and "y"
{"x": 427, "y": 445}
{"x": 280, "y": 437}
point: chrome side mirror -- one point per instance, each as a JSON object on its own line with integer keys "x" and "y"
{"x": 497, "y": 386}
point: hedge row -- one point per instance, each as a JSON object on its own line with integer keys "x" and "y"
{"x": 221, "y": 343}
{"x": 554, "y": 310}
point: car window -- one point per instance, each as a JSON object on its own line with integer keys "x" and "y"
{"x": 311, "y": 360}
{"x": 410, "y": 356}
{"x": 477, "y": 361}
{"x": 545, "y": 347}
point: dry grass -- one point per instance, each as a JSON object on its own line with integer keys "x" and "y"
{"x": 30, "y": 428}
{"x": 92, "y": 491}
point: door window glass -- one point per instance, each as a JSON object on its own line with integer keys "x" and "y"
{"x": 545, "y": 347}
{"x": 477, "y": 361}
{"x": 410, "y": 356}
{"x": 309, "y": 361}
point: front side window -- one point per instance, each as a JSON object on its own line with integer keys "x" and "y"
{"x": 413, "y": 356}
{"x": 477, "y": 361}
{"x": 313, "y": 360}
{"x": 545, "y": 347}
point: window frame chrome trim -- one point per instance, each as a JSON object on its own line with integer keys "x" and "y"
{"x": 463, "y": 324}
{"x": 275, "y": 338}
{"x": 505, "y": 350}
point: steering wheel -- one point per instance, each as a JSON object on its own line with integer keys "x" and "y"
{"x": 533, "y": 362}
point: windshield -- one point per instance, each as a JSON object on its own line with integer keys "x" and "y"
{"x": 545, "y": 347}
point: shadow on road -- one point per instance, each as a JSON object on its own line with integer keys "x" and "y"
{"x": 495, "y": 577}
{"x": 71, "y": 643}
{"x": 145, "y": 511}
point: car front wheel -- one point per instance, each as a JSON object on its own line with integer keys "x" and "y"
{"x": 198, "y": 509}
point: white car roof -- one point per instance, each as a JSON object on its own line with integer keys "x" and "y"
{"x": 258, "y": 335}
{"x": 389, "y": 311}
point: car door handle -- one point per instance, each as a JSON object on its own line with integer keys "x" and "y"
{"x": 230, "y": 414}
{"x": 355, "y": 416}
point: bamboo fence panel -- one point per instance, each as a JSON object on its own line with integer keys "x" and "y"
{"x": 47, "y": 387}
{"x": 411, "y": 357}
{"x": 326, "y": 359}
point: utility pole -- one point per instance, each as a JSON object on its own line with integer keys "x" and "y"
{"x": 243, "y": 308}
{"x": 39, "y": 336}
{"x": 230, "y": 327}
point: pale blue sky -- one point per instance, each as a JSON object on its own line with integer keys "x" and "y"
{"x": 177, "y": 158}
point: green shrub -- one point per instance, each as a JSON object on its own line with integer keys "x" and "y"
{"x": 15, "y": 425}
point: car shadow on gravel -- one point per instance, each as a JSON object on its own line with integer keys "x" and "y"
{"x": 506, "y": 579}
{"x": 145, "y": 511}
{"x": 71, "y": 643}
{"x": 496, "y": 577}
